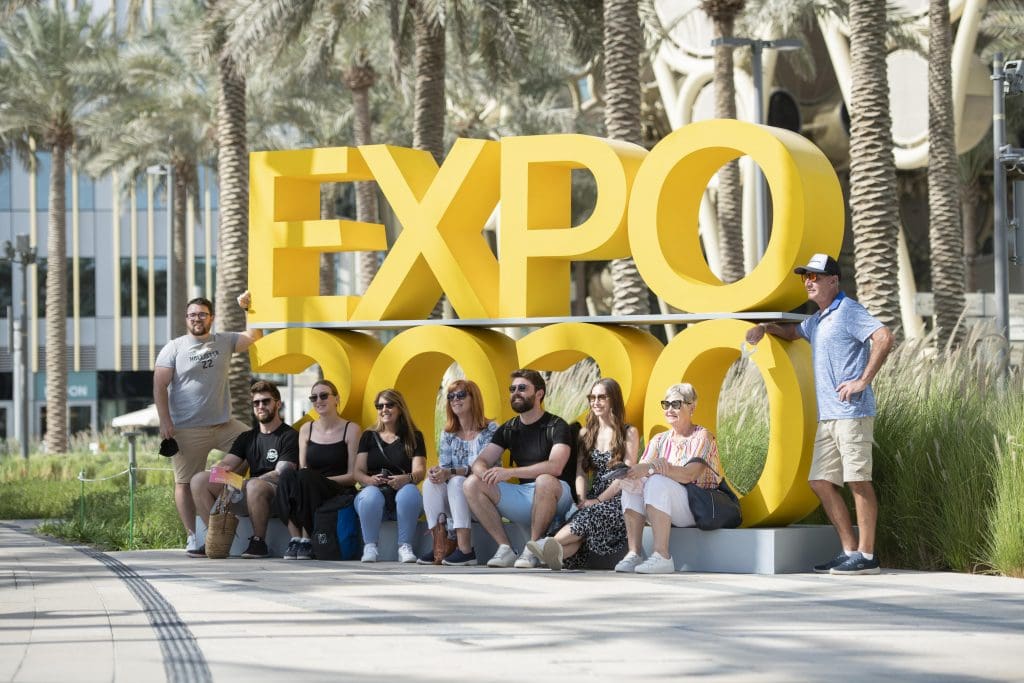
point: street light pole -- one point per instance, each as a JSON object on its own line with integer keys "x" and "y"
{"x": 756, "y": 48}
{"x": 23, "y": 254}
{"x": 168, "y": 170}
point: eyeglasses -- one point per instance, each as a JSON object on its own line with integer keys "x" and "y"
{"x": 257, "y": 402}
{"x": 518, "y": 388}
{"x": 458, "y": 395}
{"x": 322, "y": 396}
{"x": 197, "y": 316}
{"x": 597, "y": 398}
{"x": 674, "y": 405}
{"x": 813, "y": 277}
{"x": 385, "y": 405}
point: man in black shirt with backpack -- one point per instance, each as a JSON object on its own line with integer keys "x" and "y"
{"x": 539, "y": 444}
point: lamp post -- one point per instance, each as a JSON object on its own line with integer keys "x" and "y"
{"x": 23, "y": 254}
{"x": 1007, "y": 81}
{"x": 168, "y": 170}
{"x": 756, "y": 48}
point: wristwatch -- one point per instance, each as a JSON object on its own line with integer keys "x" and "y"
{"x": 650, "y": 471}
{"x": 452, "y": 470}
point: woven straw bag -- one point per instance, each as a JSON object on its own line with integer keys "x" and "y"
{"x": 221, "y": 531}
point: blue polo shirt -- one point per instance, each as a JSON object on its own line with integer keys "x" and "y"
{"x": 840, "y": 343}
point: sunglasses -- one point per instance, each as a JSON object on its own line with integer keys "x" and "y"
{"x": 257, "y": 402}
{"x": 197, "y": 316}
{"x": 385, "y": 405}
{"x": 458, "y": 395}
{"x": 518, "y": 388}
{"x": 322, "y": 396}
{"x": 812, "y": 277}
{"x": 597, "y": 398}
{"x": 674, "y": 405}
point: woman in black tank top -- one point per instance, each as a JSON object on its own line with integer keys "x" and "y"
{"x": 327, "y": 450}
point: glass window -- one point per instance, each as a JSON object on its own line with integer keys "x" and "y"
{"x": 42, "y": 180}
{"x": 6, "y": 293}
{"x": 86, "y": 288}
{"x": 86, "y": 192}
{"x": 142, "y": 278}
{"x": 201, "y": 276}
{"x": 5, "y": 183}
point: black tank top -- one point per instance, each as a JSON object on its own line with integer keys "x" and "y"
{"x": 327, "y": 459}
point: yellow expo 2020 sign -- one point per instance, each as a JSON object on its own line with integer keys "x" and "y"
{"x": 647, "y": 206}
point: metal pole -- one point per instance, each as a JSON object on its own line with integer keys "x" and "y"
{"x": 131, "y": 488}
{"x": 999, "y": 228}
{"x": 22, "y": 353}
{"x": 170, "y": 253}
{"x": 1018, "y": 220}
{"x": 759, "y": 182}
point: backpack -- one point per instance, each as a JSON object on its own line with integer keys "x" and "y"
{"x": 336, "y": 534}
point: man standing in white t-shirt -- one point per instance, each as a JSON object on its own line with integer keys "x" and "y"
{"x": 848, "y": 347}
{"x": 193, "y": 399}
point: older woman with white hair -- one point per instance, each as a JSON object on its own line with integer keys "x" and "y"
{"x": 655, "y": 490}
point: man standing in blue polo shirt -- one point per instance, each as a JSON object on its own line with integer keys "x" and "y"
{"x": 849, "y": 346}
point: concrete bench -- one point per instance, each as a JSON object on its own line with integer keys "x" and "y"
{"x": 776, "y": 550}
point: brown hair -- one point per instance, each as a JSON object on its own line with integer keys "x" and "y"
{"x": 616, "y": 417}
{"x": 533, "y": 377}
{"x": 406, "y": 428}
{"x": 330, "y": 385}
{"x": 476, "y": 412}
{"x": 262, "y": 386}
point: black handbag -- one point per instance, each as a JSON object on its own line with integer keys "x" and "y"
{"x": 717, "y": 508}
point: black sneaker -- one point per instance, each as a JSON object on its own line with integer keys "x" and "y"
{"x": 426, "y": 558}
{"x": 257, "y": 549}
{"x": 834, "y": 562}
{"x": 293, "y": 550}
{"x": 197, "y": 552}
{"x": 305, "y": 550}
{"x": 857, "y": 565}
{"x": 460, "y": 559}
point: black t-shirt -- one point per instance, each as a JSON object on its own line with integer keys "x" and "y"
{"x": 396, "y": 461}
{"x": 264, "y": 451}
{"x": 529, "y": 444}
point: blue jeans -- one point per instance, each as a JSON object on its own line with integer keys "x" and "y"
{"x": 370, "y": 508}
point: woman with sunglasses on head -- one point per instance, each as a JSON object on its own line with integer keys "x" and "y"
{"x": 654, "y": 488}
{"x": 391, "y": 460}
{"x": 466, "y": 432}
{"x": 607, "y": 446}
{"x": 327, "y": 454}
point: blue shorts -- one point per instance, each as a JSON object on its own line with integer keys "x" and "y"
{"x": 516, "y": 502}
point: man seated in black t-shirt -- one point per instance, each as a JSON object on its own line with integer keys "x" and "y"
{"x": 538, "y": 443}
{"x": 266, "y": 450}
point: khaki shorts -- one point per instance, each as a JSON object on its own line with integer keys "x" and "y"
{"x": 842, "y": 450}
{"x": 195, "y": 444}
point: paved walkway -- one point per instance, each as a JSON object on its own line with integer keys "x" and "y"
{"x": 72, "y": 614}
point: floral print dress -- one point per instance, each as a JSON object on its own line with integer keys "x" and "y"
{"x": 601, "y": 526}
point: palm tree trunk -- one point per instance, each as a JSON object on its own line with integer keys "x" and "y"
{"x": 944, "y": 232}
{"x": 429, "y": 112}
{"x": 729, "y": 197}
{"x": 970, "y": 199}
{"x": 873, "y": 204}
{"x": 233, "y": 239}
{"x": 56, "y": 438}
{"x": 430, "y": 105}
{"x": 360, "y": 78}
{"x": 623, "y": 44}
{"x": 328, "y": 273}
{"x": 180, "y": 209}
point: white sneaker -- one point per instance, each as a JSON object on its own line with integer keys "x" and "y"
{"x": 192, "y": 544}
{"x": 504, "y": 557}
{"x": 549, "y": 550}
{"x": 369, "y": 553}
{"x": 656, "y": 564}
{"x": 527, "y": 560}
{"x": 405, "y": 554}
{"x": 629, "y": 563}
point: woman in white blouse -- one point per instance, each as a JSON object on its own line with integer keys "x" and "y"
{"x": 466, "y": 432}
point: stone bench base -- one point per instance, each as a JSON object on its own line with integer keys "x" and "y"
{"x": 778, "y": 550}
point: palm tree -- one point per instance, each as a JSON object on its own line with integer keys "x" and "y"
{"x": 622, "y": 45}
{"x": 723, "y": 14}
{"x": 165, "y": 116}
{"x": 48, "y": 93}
{"x": 944, "y": 230}
{"x": 873, "y": 201}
